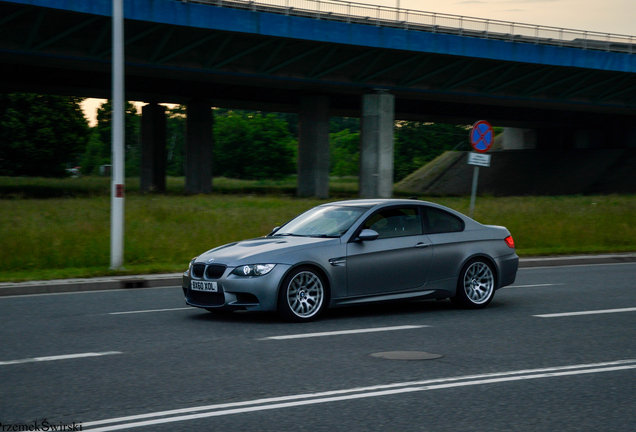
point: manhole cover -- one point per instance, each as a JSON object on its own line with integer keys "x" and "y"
{"x": 406, "y": 355}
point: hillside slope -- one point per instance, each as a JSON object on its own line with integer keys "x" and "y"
{"x": 529, "y": 172}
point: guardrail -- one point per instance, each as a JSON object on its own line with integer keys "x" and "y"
{"x": 386, "y": 16}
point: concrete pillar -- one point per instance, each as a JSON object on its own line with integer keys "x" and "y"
{"x": 519, "y": 139}
{"x": 199, "y": 144}
{"x": 153, "y": 148}
{"x": 376, "y": 152}
{"x": 313, "y": 147}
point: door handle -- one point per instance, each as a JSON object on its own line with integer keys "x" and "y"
{"x": 422, "y": 245}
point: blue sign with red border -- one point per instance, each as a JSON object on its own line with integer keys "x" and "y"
{"x": 481, "y": 136}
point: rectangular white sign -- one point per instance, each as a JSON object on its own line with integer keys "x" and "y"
{"x": 478, "y": 159}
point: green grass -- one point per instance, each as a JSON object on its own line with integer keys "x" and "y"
{"x": 70, "y": 237}
{"x": 559, "y": 225}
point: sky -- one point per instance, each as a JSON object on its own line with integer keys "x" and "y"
{"x": 605, "y": 16}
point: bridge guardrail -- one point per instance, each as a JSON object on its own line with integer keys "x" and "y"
{"x": 386, "y": 16}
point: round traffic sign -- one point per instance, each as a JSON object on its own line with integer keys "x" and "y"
{"x": 481, "y": 136}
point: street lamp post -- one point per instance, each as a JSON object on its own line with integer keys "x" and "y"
{"x": 117, "y": 141}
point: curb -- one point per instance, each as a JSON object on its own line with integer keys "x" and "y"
{"x": 90, "y": 284}
{"x": 174, "y": 279}
{"x": 557, "y": 261}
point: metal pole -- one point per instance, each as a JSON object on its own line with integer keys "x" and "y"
{"x": 473, "y": 194}
{"x": 117, "y": 141}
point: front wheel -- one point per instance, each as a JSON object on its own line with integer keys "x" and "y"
{"x": 302, "y": 296}
{"x": 476, "y": 285}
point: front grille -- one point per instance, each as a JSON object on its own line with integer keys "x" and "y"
{"x": 201, "y": 298}
{"x": 197, "y": 270}
{"x": 214, "y": 271}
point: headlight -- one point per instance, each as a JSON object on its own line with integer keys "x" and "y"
{"x": 253, "y": 270}
{"x": 190, "y": 266}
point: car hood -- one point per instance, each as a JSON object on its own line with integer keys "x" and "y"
{"x": 263, "y": 250}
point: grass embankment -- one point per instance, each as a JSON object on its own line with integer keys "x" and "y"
{"x": 70, "y": 237}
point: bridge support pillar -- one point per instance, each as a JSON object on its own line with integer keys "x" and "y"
{"x": 519, "y": 139}
{"x": 153, "y": 148}
{"x": 199, "y": 144}
{"x": 376, "y": 152}
{"x": 313, "y": 147}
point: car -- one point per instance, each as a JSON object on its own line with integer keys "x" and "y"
{"x": 354, "y": 252}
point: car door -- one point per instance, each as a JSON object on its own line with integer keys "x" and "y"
{"x": 448, "y": 239}
{"x": 399, "y": 259}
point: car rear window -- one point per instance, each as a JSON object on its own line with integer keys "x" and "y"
{"x": 438, "y": 221}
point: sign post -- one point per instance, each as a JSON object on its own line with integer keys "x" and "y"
{"x": 481, "y": 139}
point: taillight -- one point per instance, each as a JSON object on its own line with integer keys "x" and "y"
{"x": 510, "y": 242}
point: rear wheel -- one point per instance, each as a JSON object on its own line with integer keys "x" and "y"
{"x": 476, "y": 285}
{"x": 302, "y": 296}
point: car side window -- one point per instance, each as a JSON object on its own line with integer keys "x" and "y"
{"x": 437, "y": 222}
{"x": 395, "y": 222}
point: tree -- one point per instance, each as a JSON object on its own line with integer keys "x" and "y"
{"x": 252, "y": 146}
{"x": 175, "y": 137}
{"x": 131, "y": 136}
{"x": 95, "y": 154}
{"x": 338, "y": 124}
{"x": 40, "y": 135}
{"x": 345, "y": 153}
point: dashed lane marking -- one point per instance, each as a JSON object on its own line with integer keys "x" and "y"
{"x": 533, "y": 286}
{"x": 592, "y": 312}
{"x": 59, "y": 357}
{"x": 344, "y": 332}
{"x": 150, "y": 310}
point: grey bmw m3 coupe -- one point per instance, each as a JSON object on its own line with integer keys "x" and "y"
{"x": 354, "y": 252}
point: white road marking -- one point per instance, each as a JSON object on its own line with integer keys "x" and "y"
{"x": 593, "y": 312}
{"x": 533, "y": 286}
{"x": 151, "y": 310}
{"x": 60, "y": 357}
{"x": 344, "y": 332}
{"x": 355, "y": 393}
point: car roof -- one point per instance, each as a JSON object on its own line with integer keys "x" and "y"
{"x": 371, "y": 203}
{"x": 378, "y": 201}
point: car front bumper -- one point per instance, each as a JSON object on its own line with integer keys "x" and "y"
{"x": 253, "y": 293}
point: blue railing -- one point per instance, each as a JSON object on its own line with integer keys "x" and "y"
{"x": 386, "y": 16}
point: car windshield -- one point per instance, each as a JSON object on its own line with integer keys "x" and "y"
{"x": 323, "y": 221}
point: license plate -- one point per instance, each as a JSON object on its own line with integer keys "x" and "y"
{"x": 204, "y": 286}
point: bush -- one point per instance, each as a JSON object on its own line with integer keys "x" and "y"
{"x": 252, "y": 146}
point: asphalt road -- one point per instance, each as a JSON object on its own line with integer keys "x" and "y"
{"x": 139, "y": 359}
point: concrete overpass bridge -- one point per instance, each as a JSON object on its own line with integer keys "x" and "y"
{"x": 558, "y": 88}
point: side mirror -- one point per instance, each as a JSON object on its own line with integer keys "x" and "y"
{"x": 275, "y": 229}
{"x": 367, "y": 235}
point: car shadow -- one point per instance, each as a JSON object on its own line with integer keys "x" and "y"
{"x": 398, "y": 309}
{"x": 238, "y": 317}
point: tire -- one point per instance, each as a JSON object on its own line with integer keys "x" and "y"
{"x": 303, "y": 295}
{"x": 476, "y": 285}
